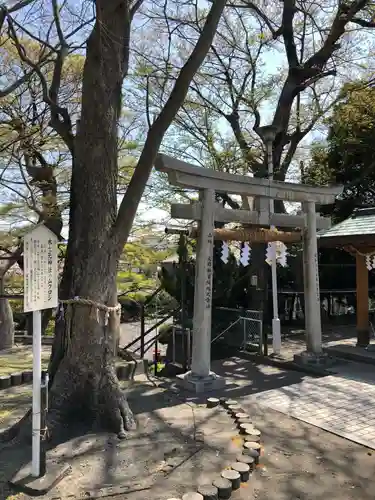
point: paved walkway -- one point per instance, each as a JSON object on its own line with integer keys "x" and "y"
{"x": 300, "y": 460}
{"x": 343, "y": 404}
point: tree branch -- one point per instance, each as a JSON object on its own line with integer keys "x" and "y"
{"x": 135, "y": 7}
{"x": 345, "y": 14}
{"x": 15, "y": 85}
{"x": 287, "y": 30}
{"x": 363, "y": 22}
{"x": 62, "y": 127}
{"x": 156, "y": 133}
{"x": 250, "y": 5}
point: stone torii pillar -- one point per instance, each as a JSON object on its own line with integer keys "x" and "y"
{"x": 314, "y": 325}
{"x": 201, "y": 378}
{"x": 314, "y": 352}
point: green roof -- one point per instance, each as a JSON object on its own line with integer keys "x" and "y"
{"x": 360, "y": 223}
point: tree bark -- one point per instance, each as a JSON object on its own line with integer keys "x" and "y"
{"x": 82, "y": 363}
{"x": 82, "y": 369}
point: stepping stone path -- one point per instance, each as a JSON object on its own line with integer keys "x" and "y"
{"x": 192, "y": 495}
{"x": 233, "y": 476}
{"x": 16, "y": 378}
{"x": 243, "y": 421}
{"x": 27, "y": 377}
{"x": 224, "y": 487}
{"x": 212, "y": 402}
{"x": 251, "y": 437}
{"x": 239, "y": 471}
{"x": 256, "y": 432}
{"x": 246, "y": 459}
{"x": 252, "y": 453}
{"x": 247, "y": 428}
{"x": 251, "y": 445}
{"x": 5, "y": 381}
{"x": 229, "y": 402}
{"x": 237, "y": 416}
{"x": 233, "y": 409}
{"x": 208, "y": 492}
{"x": 243, "y": 470}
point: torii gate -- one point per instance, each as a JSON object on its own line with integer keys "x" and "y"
{"x": 206, "y": 211}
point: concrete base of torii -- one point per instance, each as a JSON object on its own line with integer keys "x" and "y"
{"x": 308, "y": 358}
{"x": 195, "y": 383}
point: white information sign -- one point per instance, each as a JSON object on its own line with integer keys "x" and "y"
{"x": 40, "y": 269}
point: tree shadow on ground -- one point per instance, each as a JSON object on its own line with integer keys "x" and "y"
{"x": 161, "y": 446}
{"x": 300, "y": 461}
{"x": 304, "y": 462}
{"x": 243, "y": 378}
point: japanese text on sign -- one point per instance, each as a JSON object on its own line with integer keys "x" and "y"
{"x": 209, "y": 271}
{"x": 40, "y": 270}
{"x": 317, "y": 278}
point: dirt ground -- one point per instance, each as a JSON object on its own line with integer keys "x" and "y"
{"x": 180, "y": 444}
{"x": 300, "y": 461}
{"x": 175, "y": 447}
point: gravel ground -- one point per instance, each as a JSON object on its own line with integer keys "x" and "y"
{"x": 165, "y": 455}
{"x": 168, "y": 451}
{"x": 299, "y": 461}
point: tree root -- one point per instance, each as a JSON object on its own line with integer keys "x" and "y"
{"x": 113, "y": 405}
{"x": 101, "y": 401}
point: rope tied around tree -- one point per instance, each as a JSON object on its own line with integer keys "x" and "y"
{"x": 96, "y": 308}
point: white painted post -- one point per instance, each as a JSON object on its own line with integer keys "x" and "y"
{"x": 201, "y": 360}
{"x": 40, "y": 292}
{"x": 37, "y": 379}
{"x": 276, "y": 327}
{"x": 311, "y": 287}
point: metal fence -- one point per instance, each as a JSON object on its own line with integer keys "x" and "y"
{"x": 252, "y": 330}
{"x": 238, "y": 328}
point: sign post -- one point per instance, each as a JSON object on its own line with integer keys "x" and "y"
{"x": 40, "y": 292}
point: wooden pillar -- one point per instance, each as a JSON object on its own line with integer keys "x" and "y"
{"x": 363, "y": 330}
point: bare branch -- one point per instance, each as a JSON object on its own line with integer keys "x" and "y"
{"x": 250, "y": 5}
{"x": 363, "y": 22}
{"x": 135, "y": 7}
{"x": 288, "y": 32}
{"x": 15, "y": 85}
{"x": 63, "y": 127}
{"x": 156, "y": 133}
{"x": 345, "y": 14}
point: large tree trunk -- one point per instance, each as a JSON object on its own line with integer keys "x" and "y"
{"x": 82, "y": 365}
{"x": 83, "y": 376}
